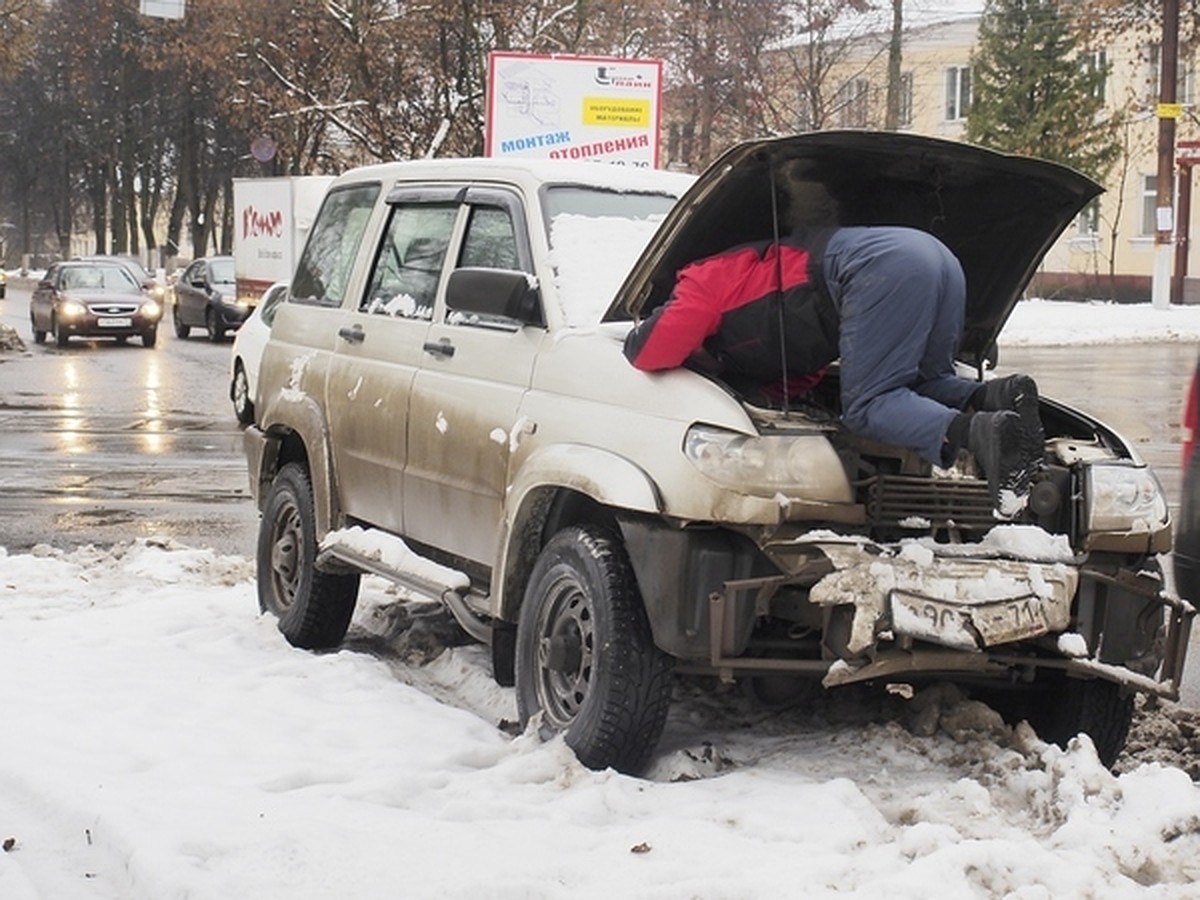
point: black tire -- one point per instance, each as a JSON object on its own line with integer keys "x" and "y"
{"x": 239, "y": 393}
{"x": 314, "y": 608}
{"x": 150, "y": 338}
{"x": 60, "y": 337}
{"x": 181, "y": 330}
{"x": 216, "y": 331}
{"x": 585, "y": 658}
{"x": 1064, "y": 707}
{"x": 1096, "y": 708}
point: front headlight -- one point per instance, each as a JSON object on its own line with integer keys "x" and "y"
{"x": 72, "y": 309}
{"x": 1124, "y": 498}
{"x": 801, "y": 466}
{"x": 151, "y": 309}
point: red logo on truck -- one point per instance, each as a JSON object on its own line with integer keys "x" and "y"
{"x": 262, "y": 224}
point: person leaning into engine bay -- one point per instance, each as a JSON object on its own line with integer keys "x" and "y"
{"x": 888, "y": 301}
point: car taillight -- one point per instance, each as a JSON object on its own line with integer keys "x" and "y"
{"x": 1191, "y": 418}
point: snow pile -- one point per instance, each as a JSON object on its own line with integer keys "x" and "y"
{"x": 161, "y": 739}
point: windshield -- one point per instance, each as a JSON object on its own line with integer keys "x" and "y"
{"x": 222, "y": 270}
{"x": 102, "y": 279}
{"x": 596, "y": 235}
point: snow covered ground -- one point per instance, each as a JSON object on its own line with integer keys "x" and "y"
{"x": 160, "y": 739}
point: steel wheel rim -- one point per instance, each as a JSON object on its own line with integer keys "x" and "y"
{"x": 286, "y": 550}
{"x": 565, "y": 652}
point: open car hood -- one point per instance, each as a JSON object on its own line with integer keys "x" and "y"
{"x": 998, "y": 213}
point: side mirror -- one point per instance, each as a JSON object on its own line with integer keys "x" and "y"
{"x": 45, "y": 283}
{"x": 494, "y": 292}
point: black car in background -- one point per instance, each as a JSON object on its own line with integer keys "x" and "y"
{"x": 206, "y": 297}
{"x": 92, "y": 299}
{"x": 1187, "y": 534}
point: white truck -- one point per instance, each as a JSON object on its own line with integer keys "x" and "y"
{"x": 272, "y": 217}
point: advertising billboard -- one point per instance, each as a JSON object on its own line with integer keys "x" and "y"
{"x": 597, "y": 108}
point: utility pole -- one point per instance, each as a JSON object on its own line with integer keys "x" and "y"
{"x": 1168, "y": 112}
{"x": 895, "y": 44}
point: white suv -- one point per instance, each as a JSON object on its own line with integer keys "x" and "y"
{"x": 444, "y": 401}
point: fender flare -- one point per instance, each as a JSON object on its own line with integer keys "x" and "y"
{"x": 307, "y": 422}
{"x": 602, "y": 476}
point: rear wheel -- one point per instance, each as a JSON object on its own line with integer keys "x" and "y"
{"x": 239, "y": 391}
{"x": 585, "y": 658}
{"x": 181, "y": 330}
{"x": 314, "y": 608}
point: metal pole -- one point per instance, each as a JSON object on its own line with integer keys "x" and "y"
{"x": 1183, "y": 232}
{"x": 1168, "y": 112}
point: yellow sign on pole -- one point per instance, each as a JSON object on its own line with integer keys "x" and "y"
{"x": 1169, "y": 110}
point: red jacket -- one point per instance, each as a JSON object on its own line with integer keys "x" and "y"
{"x": 730, "y": 305}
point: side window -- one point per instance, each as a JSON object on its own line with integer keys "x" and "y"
{"x": 490, "y": 240}
{"x": 408, "y": 267}
{"x": 324, "y": 267}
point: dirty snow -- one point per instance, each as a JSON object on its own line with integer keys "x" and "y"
{"x": 162, "y": 740}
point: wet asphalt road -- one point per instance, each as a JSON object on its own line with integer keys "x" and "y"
{"x": 102, "y": 442}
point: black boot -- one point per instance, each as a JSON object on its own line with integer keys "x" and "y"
{"x": 1020, "y": 394}
{"x": 995, "y": 440}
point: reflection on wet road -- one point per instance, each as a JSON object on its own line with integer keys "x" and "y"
{"x": 101, "y": 442}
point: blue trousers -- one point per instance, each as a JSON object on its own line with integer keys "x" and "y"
{"x": 901, "y": 297}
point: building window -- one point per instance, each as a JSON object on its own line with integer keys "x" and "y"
{"x": 1185, "y": 76}
{"x": 905, "y": 113}
{"x": 1149, "y": 206}
{"x": 958, "y": 93}
{"x": 850, "y": 103}
{"x": 1087, "y": 223}
{"x": 1097, "y": 61}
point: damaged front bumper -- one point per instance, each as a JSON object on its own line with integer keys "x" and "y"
{"x": 922, "y": 610}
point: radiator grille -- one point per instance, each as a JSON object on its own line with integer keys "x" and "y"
{"x": 943, "y": 502}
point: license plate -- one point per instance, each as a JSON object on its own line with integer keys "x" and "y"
{"x": 970, "y": 626}
{"x": 113, "y": 322}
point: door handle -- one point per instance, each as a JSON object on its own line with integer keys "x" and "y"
{"x": 353, "y": 335}
{"x": 441, "y": 347}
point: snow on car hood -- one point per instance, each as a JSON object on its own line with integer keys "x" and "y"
{"x": 998, "y": 213}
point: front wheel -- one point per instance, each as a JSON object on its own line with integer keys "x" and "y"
{"x": 181, "y": 330}
{"x": 150, "y": 337}
{"x": 216, "y": 331}
{"x": 1099, "y": 709}
{"x": 585, "y": 658}
{"x": 314, "y": 608}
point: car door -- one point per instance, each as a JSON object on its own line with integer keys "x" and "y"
{"x": 380, "y": 346}
{"x": 41, "y": 302}
{"x": 472, "y": 374}
{"x": 191, "y": 299}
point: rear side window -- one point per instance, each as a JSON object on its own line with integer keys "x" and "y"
{"x": 328, "y": 258}
{"x": 408, "y": 268}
